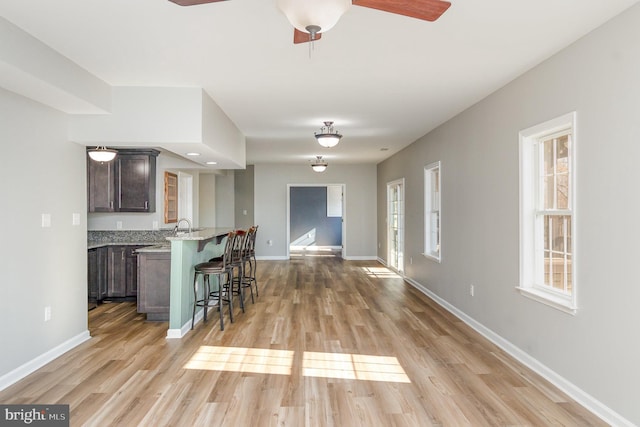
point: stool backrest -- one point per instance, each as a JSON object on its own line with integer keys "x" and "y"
{"x": 238, "y": 246}
{"x": 228, "y": 249}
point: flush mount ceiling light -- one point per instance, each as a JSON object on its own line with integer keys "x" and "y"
{"x": 211, "y": 163}
{"x": 319, "y": 165}
{"x": 102, "y": 154}
{"x": 328, "y": 137}
{"x": 193, "y": 154}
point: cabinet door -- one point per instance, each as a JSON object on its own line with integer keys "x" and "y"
{"x": 102, "y": 277}
{"x": 132, "y": 271}
{"x": 136, "y": 183}
{"x": 100, "y": 186}
{"x": 117, "y": 272}
{"x": 92, "y": 275}
{"x": 154, "y": 279}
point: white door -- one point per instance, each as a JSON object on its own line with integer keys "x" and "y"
{"x": 395, "y": 225}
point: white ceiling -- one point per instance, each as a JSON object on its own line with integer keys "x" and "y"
{"x": 385, "y": 80}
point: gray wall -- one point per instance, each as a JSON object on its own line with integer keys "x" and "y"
{"x": 244, "y": 189}
{"x": 40, "y": 172}
{"x": 308, "y": 211}
{"x": 599, "y": 77}
{"x": 360, "y": 205}
{"x": 225, "y": 199}
{"x": 207, "y": 197}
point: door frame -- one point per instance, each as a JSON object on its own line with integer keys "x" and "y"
{"x": 344, "y": 216}
{"x": 400, "y": 249}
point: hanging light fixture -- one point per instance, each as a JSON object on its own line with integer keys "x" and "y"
{"x": 328, "y": 137}
{"x": 102, "y": 154}
{"x": 319, "y": 165}
{"x": 313, "y": 16}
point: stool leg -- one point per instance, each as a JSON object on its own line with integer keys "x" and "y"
{"x": 220, "y": 288}
{"x": 205, "y": 293}
{"x": 195, "y": 298}
{"x": 230, "y": 295}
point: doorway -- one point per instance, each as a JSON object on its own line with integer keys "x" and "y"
{"x": 315, "y": 223}
{"x": 395, "y": 225}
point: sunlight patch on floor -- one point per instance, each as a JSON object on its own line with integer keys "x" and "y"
{"x": 380, "y": 272}
{"x": 353, "y": 366}
{"x": 242, "y": 359}
{"x": 314, "y": 364}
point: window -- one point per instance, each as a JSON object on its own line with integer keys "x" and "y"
{"x": 547, "y": 250}
{"x": 432, "y": 211}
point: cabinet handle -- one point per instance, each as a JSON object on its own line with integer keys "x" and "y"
{"x": 122, "y": 256}
{"x": 146, "y": 204}
{"x": 111, "y": 204}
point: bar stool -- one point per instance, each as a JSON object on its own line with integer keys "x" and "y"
{"x": 237, "y": 263}
{"x": 221, "y": 269}
{"x": 249, "y": 258}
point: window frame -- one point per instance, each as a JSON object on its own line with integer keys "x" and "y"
{"x": 428, "y": 210}
{"x": 532, "y": 213}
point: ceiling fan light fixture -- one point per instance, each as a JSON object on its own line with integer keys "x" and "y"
{"x": 319, "y": 165}
{"x": 313, "y": 13}
{"x": 328, "y": 137}
{"x": 102, "y": 154}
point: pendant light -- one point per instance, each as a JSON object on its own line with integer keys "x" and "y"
{"x": 102, "y": 154}
{"x": 319, "y": 165}
{"x": 328, "y": 137}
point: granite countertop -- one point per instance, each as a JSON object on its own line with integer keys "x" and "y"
{"x": 154, "y": 240}
{"x": 165, "y": 247}
{"x": 204, "y": 234}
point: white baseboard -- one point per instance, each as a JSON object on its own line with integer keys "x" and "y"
{"x": 272, "y": 258}
{"x": 359, "y": 258}
{"x": 589, "y": 402}
{"x": 22, "y": 371}
{"x": 184, "y": 330}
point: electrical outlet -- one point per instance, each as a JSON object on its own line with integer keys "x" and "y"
{"x": 47, "y": 313}
{"x": 119, "y": 225}
{"x": 472, "y": 290}
{"x": 269, "y": 242}
{"x": 154, "y": 225}
{"x": 75, "y": 219}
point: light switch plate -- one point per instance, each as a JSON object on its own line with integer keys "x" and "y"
{"x": 46, "y": 220}
{"x": 75, "y": 219}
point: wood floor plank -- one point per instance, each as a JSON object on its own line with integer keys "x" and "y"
{"x": 327, "y": 343}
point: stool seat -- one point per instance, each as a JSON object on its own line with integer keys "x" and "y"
{"x": 210, "y": 267}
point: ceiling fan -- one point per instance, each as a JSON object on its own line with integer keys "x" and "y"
{"x": 311, "y": 18}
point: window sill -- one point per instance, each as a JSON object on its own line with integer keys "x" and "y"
{"x": 556, "y": 301}
{"x": 433, "y": 258}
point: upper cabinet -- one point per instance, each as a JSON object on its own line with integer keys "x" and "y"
{"x": 126, "y": 184}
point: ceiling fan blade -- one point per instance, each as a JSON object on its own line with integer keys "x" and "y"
{"x": 428, "y": 10}
{"x": 193, "y": 2}
{"x": 302, "y": 37}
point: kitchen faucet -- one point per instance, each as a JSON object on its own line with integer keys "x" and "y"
{"x": 175, "y": 230}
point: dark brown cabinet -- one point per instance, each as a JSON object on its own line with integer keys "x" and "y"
{"x": 97, "y": 275}
{"x": 126, "y": 184}
{"x": 100, "y": 186}
{"x": 154, "y": 281}
{"x": 122, "y": 272}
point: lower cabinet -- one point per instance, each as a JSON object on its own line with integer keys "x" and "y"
{"x": 154, "y": 279}
{"x": 112, "y": 272}
{"x": 97, "y": 275}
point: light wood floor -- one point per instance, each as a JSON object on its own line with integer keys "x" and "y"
{"x": 328, "y": 343}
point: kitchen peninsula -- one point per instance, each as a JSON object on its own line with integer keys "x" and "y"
{"x": 137, "y": 258}
{"x": 187, "y": 250}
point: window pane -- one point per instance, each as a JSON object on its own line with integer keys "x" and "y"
{"x": 557, "y": 252}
